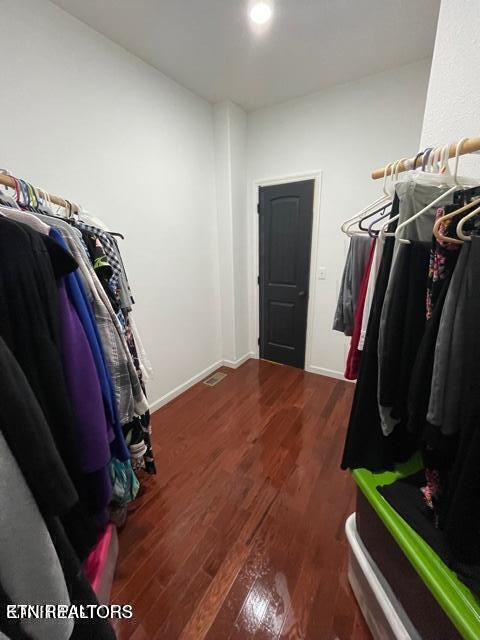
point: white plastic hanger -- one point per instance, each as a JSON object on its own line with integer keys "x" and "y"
{"x": 384, "y": 233}
{"x": 382, "y": 210}
{"x": 385, "y": 190}
{"x": 345, "y": 227}
{"x": 393, "y": 166}
{"x": 436, "y": 156}
{"x": 388, "y": 194}
{"x": 43, "y": 199}
{"x": 437, "y": 169}
{"x": 362, "y": 232}
{"x": 347, "y": 224}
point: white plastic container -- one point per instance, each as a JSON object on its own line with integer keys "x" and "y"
{"x": 383, "y": 613}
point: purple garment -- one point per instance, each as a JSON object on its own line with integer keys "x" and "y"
{"x": 92, "y": 431}
{"x": 78, "y": 298}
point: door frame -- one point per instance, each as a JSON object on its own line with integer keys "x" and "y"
{"x": 255, "y": 293}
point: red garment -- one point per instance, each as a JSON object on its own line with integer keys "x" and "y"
{"x": 353, "y": 359}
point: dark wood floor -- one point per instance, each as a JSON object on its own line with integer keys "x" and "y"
{"x": 240, "y": 535}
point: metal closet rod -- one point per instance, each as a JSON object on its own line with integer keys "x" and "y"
{"x": 471, "y": 145}
{"x": 8, "y": 181}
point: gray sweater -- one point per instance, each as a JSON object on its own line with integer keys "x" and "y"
{"x": 30, "y": 571}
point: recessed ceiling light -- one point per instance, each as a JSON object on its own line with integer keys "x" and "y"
{"x": 260, "y": 13}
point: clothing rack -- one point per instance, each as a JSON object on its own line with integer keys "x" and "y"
{"x": 9, "y": 181}
{"x": 470, "y": 145}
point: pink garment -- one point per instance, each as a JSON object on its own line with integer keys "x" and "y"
{"x": 99, "y": 567}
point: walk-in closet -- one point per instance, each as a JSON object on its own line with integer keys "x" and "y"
{"x": 239, "y": 265}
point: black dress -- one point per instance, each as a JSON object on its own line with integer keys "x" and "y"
{"x": 365, "y": 444}
{"x": 29, "y": 326}
{"x": 453, "y": 528}
{"x": 405, "y": 326}
{"x": 460, "y": 516}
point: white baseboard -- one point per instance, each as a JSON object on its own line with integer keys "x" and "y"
{"x": 184, "y": 386}
{"x": 330, "y": 373}
{"x": 234, "y": 364}
{"x": 171, "y": 395}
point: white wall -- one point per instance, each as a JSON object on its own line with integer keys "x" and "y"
{"x": 238, "y": 140}
{"x": 225, "y": 228}
{"x": 453, "y": 99}
{"x": 83, "y": 118}
{"x": 230, "y": 122}
{"x": 345, "y": 132}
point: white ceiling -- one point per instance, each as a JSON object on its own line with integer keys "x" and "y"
{"x": 210, "y": 47}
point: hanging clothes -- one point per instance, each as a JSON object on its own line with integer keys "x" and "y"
{"x": 102, "y": 248}
{"x": 80, "y": 347}
{"x": 19, "y": 518}
{"x": 354, "y": 353}
{"x": 125, "y": 377}
{"x": 440, "y": 439}
{"x": 79, "y": 299}
{"x": 403, "y": 328}
{"x": 357, "y": 258}
{"x": 423, "y": 330}
{"x": 421, "y": 376}
{"x": 365, "y": 444}
{"x": 460, "y": 518}
{"x": 133, "y": 386}
{"x": 29, "y": 324}
{"x": 451, "y": 527}
{"x": 25, "y": 430}
{"x": 10, "y": 628}
{"x": 102, "y": 267}
{"x": 372, "y": 281}
{"x": 45, "y": 472}
{"x": 72, "y": 386}
{"x": 131, "y": 400}
{"x": 92, "y": 433}
{"x": 413, "y": 197}
{"x": 445, "y": 357}
{"x": 109, "y": 245}
{"x": 443, "y": 260}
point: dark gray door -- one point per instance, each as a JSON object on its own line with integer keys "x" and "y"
{"x": 285, "y": 219}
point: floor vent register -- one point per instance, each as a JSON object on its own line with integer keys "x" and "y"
{"x": 215, "y": 379}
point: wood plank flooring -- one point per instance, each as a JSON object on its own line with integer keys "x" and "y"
{"x": 240, "y": 535}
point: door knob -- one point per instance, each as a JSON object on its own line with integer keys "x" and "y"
{"x": 302, "y": 294}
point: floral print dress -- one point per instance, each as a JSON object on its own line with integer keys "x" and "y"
{"x": 443, "y": 257}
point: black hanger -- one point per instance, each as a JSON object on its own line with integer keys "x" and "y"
{"x": 374, "y": 233}
{"x": 370, "y": 215}
{"x": 118, "y": 235}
